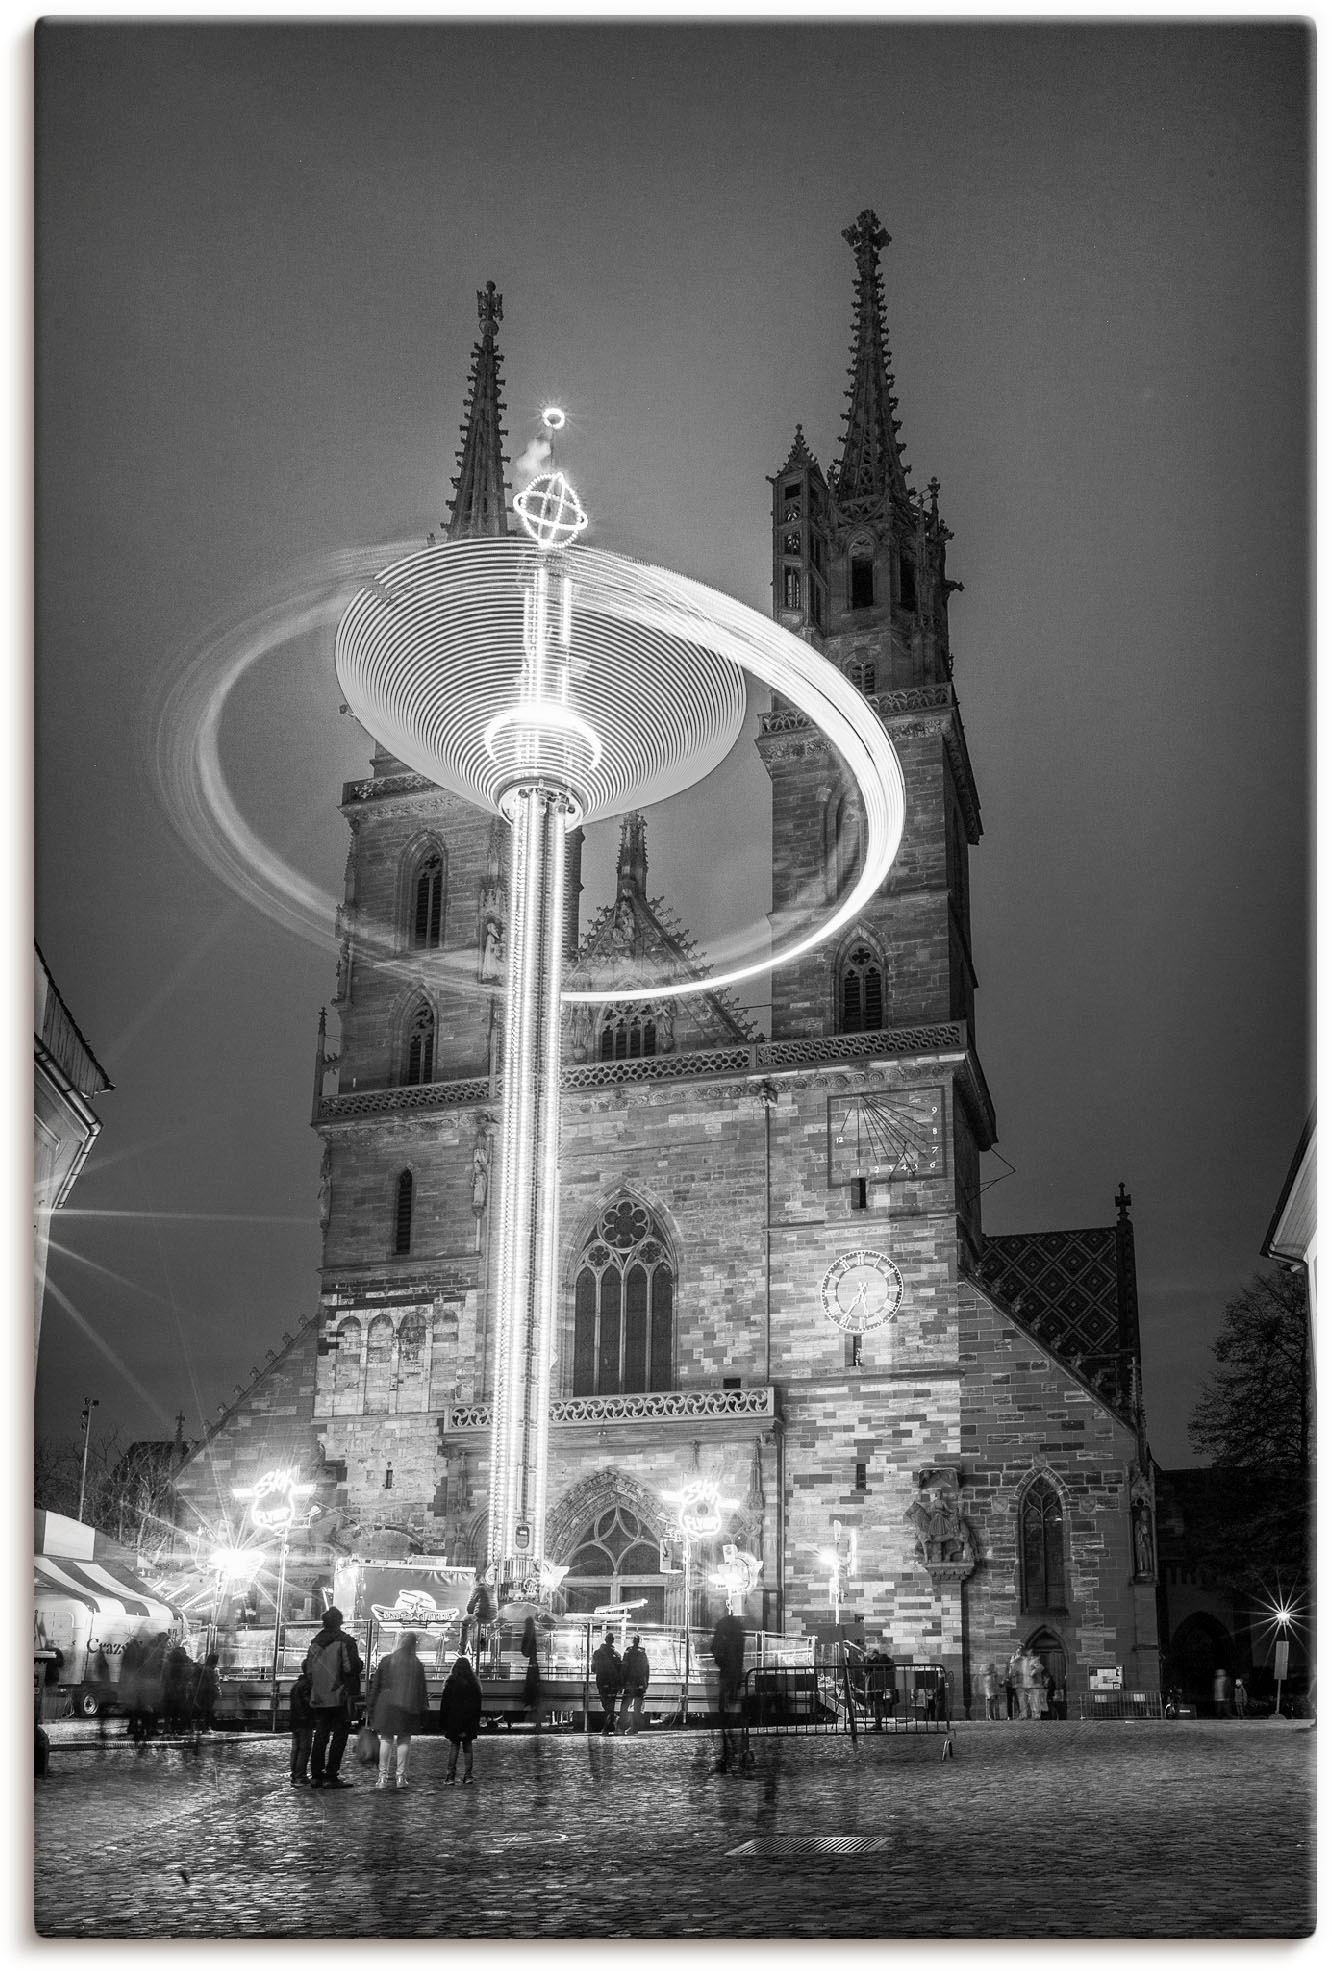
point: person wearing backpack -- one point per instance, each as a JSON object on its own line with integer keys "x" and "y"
{"x": 333, "y": 1665}
{"x": 608, "y": 1671}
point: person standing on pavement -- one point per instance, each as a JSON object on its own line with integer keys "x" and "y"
{"x": 636, "y": 1673}
{"x": 1010, "y": 1689}
{"x": 333, "y": 1664}
{"x": 1241, "y": 1698}
{"x": 728, "y": 1653}
{"x": 460, "y": 1717}
{"x": 395, "y": 1707}
{"x": 1221, "y": 1692}
{"x": 609, "y": 1673}
{"x": 301, "y": 1719}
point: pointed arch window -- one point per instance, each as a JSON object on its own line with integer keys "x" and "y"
{"x": 418, "y": 1061}
{"x": 862, "y": 579}
{"x": 379, "y": 1363}
{"x": 402, "y": 1214}
{"x": 862, "y": 676}
{"x": 624, "y": 1306}
{"x": 427, "y": 903}
{"x": 860, "y": 991}
{"x": 629, "y": 1034}
{"x": 347, "y": 1368}
{"x": 1042, "y": 1547}
{"x": 906, "y": 581}
{"x": 617, "y": 1559}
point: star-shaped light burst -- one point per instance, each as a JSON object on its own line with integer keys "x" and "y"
{"x": 550, "y": 510}
{"x": 1281, "y": 1614}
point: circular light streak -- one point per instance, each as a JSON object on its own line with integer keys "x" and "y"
{"x": 553, "y": 418}
{"x": 438, "y": 646}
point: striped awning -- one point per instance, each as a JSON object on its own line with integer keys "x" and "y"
{"x": 102, "y": 1583}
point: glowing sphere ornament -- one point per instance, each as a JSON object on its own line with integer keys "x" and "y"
{"x": 550, "y": 510}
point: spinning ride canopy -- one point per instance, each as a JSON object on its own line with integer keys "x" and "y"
{"x": 632, "y": 699}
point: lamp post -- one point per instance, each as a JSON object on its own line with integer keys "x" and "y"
{"x": 273, "y": 1510}
{"x": 698, "y": 1516}
{"x": 89, "y": 1405}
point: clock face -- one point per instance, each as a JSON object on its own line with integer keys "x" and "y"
{"x": 885, "y": 1136}
{"x": 861, "y": 1290}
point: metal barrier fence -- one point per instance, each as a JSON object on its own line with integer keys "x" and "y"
{"x": 837, "y": 1690}
{"x": 1117, "y": 1704}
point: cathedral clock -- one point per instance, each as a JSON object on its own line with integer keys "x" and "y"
{"x": 885, "y": 1136}
{"x": 861, "y": 1290}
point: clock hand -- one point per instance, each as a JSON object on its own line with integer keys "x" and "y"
{"x": 859, "y": 1297}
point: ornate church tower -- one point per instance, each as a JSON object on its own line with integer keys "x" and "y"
{"x": 406, "y": 1130}
{"x": 859, "y": 571}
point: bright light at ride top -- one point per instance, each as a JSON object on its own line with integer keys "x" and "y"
{"x": 275, "y": 1499}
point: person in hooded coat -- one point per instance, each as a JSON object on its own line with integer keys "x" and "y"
{"x": 395, "y": 1707}
{"x": 460, "y": 1717}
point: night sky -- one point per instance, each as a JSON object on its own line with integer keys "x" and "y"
{"x": 258, "y": 250}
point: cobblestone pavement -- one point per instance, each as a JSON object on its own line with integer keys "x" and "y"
{"x": 1039, "y": 1830}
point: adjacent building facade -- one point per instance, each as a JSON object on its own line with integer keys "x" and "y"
{"x": 67, "y": 1076}
{"x": 774, "y": 1273}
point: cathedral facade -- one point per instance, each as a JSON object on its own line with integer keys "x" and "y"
{"x": 774, "y": 1278}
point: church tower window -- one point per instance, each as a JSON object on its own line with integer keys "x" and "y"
{"x": 624, "y": 1326}
{"x": 1042, "y": 1547}
{"x": 790, "y": 588}
{"x": 378, "y": 1364}
{"x": 402, "y": 1214}
{"x": 862, "y": 580}
{"x": 860, "y": 992}
{"x": 906, "y": 581}
{"x": 428, "y": 903}
{"x": 629, "y": 1035}
{"x": 862, "y": 677}
{"x": 418, "y": 1065}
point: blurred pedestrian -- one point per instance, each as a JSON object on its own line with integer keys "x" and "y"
{"x": 881, "y": 1685}
{"x": 1048, "y": 1687}
{"x": 1010, "y": 1689}
{"x": 636, "y": 1673}
{"x": 532, "y": 1676}
{"x": 480, "y": 1613}
{"x": 207, "y": 1690}
{"x": 300, "y": 1717}
{"x": 460, "y": 1717}
{"x": 1221, "y": 1692}
{"x": 609, "y": 1673}
{"x": 395, "y": 1707}
{"x": 177, "y": 1680}
{"x": 103, "y": 1688}
{"x": 728, "y": 1653}
{"x": 334, "y": 1665}
{"x": 990, "y": 1684}
{"x": 1241, "y": 1698}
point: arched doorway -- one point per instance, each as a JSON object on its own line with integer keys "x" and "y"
{"x": 1199, "y": 1647}
{"x": 1050, "y": 1648}
{"x": 616, "y": 1559}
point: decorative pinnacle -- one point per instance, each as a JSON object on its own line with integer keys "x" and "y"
{"x": 489, "y": 308}
{"x": 867, "y": 239}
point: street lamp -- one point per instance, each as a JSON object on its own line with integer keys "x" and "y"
{"x": 89, "y": 1405}
{"x": 698, "y": 1517}
{"x": 273, "y": 1510}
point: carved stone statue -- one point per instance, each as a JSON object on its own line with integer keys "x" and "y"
{"x": 666, "y": 1028}
{"x": 1140, "y": 1516}
{"x": 943, "y": 1539}
{"x": 343, "y": 988}
{"x": 480, "y": 1173}
{"x": 580, "y": 1033}
{"x": 325, "y": 1189}
{"x": 492, "y": 950}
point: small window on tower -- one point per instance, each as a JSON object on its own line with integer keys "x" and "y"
{"x": 792, "y": 494}
{"x": 862, "y": 581}
{"x": 790, "y": 588}
{"x": 402, "y": 1218}
{"x": 907, "y": 575}
{"x": 862, "y": 677}
{"x": 428, "y": 903}
{"x": 861, "y": 994}
{"x": 860, "y": 1478}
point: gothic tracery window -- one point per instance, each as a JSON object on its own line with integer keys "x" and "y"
{"x": 617, "y": 1559}
{"x": 624, "y": 1294}
{"x": 862, "y": 579}
{"x": 1041, "y": 1546}
{"x": 427, "y": 903}
{"x": 418, "y": 1063}
{"x": 860, "y": 991}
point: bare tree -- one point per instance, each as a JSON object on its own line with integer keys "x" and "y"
{"x": 1257, "y": 1409}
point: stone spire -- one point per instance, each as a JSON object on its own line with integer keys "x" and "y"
{"x": 871, "y": 465}
{"x": 631, "y": 866}
{"x": 478, "y": 510}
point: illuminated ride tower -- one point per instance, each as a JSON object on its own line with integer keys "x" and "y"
{"x": 557, "y": 684}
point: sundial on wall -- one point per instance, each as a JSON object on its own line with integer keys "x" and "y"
{"x": 885, "y": 1136}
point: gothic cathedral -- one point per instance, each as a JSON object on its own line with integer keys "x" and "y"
{"x": 773, "y": 1271}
